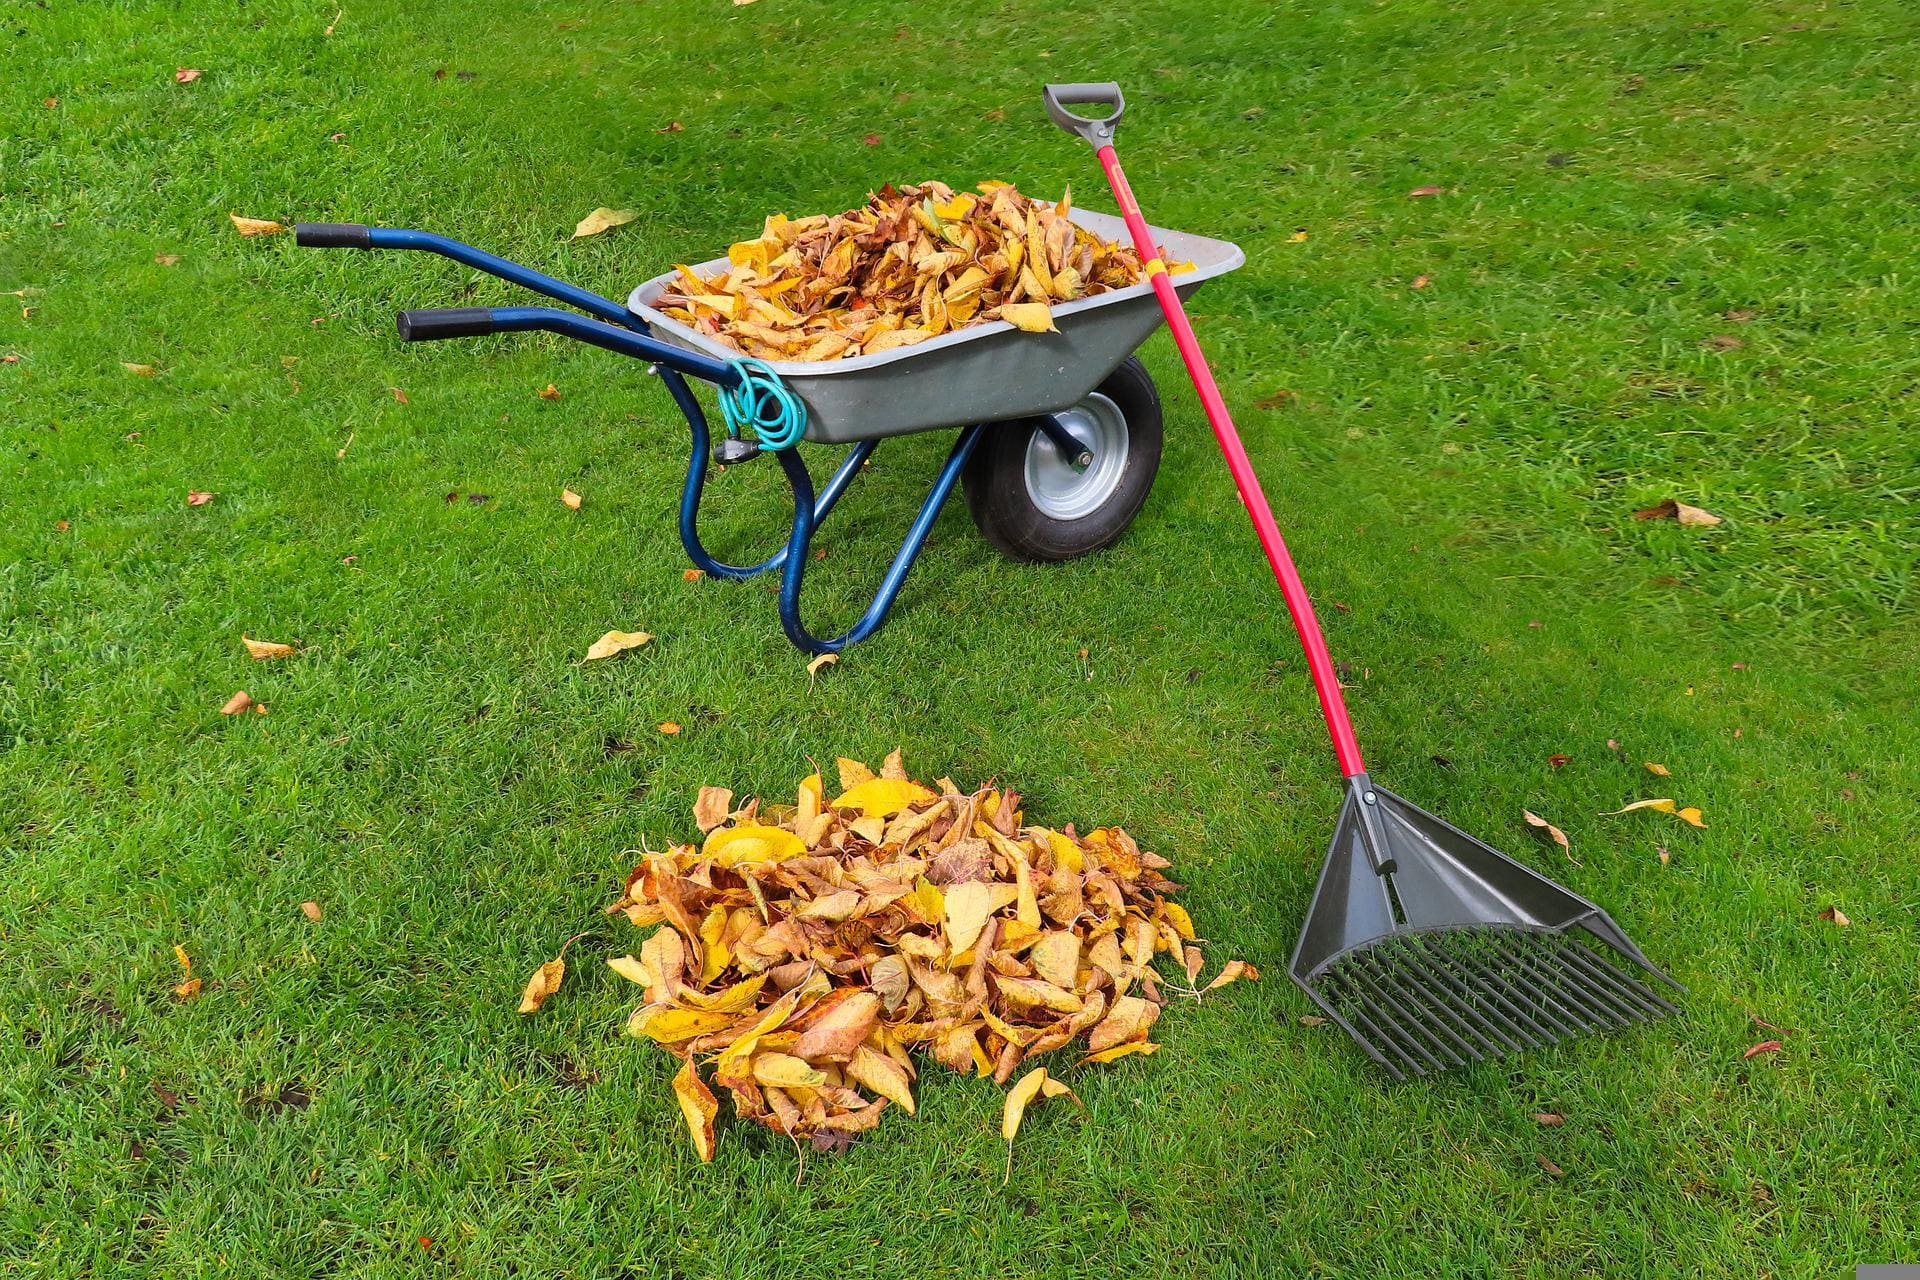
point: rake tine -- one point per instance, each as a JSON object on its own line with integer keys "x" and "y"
{"x": 1528, "y": 959}
{"x": 1355, "y": 1035}
{"x": 1436, "y": 1005}
{"x": 1538, "y": 962}
{"x": 1399, "y": 1038}
{"x": 1625, "y": 984}
{"x": 1361, "y": 1015}
{"x": 1383, "y": 988}
{"x": 1602, "y": 993}
{"x": 1529, "y": 1004}
{"x": 1622, "y": 978}
{"x": 1532, "y": 1032}
{"x": 1461, "y": 1000}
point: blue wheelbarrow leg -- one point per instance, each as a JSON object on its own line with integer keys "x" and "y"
{"x": 803, "y": 525}
{"x": 696, "y": 483}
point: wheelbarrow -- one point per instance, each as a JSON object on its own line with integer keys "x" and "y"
{"x": 1059, "y": 433}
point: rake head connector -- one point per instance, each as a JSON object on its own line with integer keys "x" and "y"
{"x": 1433, "y": 949}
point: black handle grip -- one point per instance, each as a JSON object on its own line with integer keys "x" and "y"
{"x": 1097, "y": 133}
{"x": 445, "y": 322}
{"x": 332, "y": 235}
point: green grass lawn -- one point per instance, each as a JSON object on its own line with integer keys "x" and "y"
{"x": 1457, "y": 466}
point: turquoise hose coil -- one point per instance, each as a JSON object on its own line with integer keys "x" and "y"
{"x": 762, "y": 404}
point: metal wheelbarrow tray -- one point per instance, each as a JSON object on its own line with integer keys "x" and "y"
{"x": 1059, "y": 433}
{"x": 983, "y": 373}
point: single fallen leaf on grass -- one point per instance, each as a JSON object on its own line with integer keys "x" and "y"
{"x": 1557, "y": 761}
{"x": 544, "y": 982}
{"x": 189, "y": 986}
{"x": 549, "y": 392}
{"x": 1428, "y": 190}
{"x": 824, "y": 660}
{"x": 143, "y": 370}
{"x": 1553, "y": 1170}
{"x": 672, "y": 126}
{"x": 1232, "y": 971}
{"x": 255, "y": 226}
{"x": 1551, "y": 1119}
{"x": 615, "y": 642}
{"x": 1298, "y": 237}
{"x": 239, "y": 702}
{"x": 399, "y": 396}
{"x": 1835, "y": 915}
{"x": 1421, "y": 282}
{"x": 601, "y": 219}
{"x": 692, "y": 575}
{"x": 1722, "y": 342}
{"x": 311, "y": 910}
{"x": 1675, "y": 510}
{"x": 1559, "y": 837}
{"x": 698, "y": 1107}
{"x": 1658, "y": 770}
{"x": 186, "y": 75}
{"x": 1662, "y": 805}
{"x": 571, "y": 499}
{"x": 262, "y": 650}
{"x": 1765, "y": 1046}
{"x": 668, "y": 727}
{"x": 167, "y": 259}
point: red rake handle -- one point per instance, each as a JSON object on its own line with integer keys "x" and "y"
{"x": 1326, "y": 684}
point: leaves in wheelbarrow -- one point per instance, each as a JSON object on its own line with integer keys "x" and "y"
{"x": 811, "y": 957}
{"x": 913, "y": 263}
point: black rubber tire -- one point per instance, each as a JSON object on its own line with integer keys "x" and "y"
{"x": 995, "y": 479}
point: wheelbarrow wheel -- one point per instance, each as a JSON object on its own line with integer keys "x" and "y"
{"x": 1034, "y": 502}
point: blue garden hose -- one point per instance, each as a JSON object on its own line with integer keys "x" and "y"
{"x": 761, "y": 403}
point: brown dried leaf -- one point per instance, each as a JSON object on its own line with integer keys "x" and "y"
{"x": 544, "y": 982}
{"x": 1834, "y": 915}
{"x": 240, "y": 701}
{"x": 255, "y": 226}
{"x": 1559, "y": 837}
{"x": 265, "y": 650}
{"x": 1675, "y": 510}
{"x": 571, "y": 499}
{"x": 311, "y": 910}
{"x": 712, "y": 807}
{"x": 698, "y": 1107}
{"x": 1765, "y": 1046}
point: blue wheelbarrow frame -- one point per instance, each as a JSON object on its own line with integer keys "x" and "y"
{"x": 978, "y": 376}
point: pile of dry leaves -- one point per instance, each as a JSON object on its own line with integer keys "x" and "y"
{"x": 913, "y": 263}
{"x": 807, "y": 951}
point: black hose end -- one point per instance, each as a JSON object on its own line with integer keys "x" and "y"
{"x": 332, "y": 235}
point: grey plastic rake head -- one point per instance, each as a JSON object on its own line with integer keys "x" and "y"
{"x": 1433, "y": 949}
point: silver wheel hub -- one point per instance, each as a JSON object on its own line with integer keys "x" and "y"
{"x": 1057, "y": 483}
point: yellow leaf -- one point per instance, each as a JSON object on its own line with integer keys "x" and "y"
{"x": 751, "y": 842}
{"x": 143, "y": 370}
{"x": 883, "y": 797}
{"x": 784, "y": 1071}
{"x": 629, "y": 968}
{"x": 1056, "y": 957}
{"x": 1689, "y": 815}
{"x": 1142, "y": 1047}
{"x": 255, "y": 226}
{"x": 813, "y": 668}
{"x": 1177, "y": 916}
{"x": 1298, "y": 237}
{"x": 883, "y": 1075}
{"x": 571, "y": 498}
{"x": 549, "y": 392}
{"x": 698, "y": 1107}
{"x": 1659, "y": 769}
{"x": 544, "y": 982}
{"x": 967, "y": 908}
{"x": 667, "y": 1025}
{"x": 262, "y": 650}
{"x": 810, "y": 801}
{"x": 601, "y": 219}
{"x": 615, "y": 642}
{"x": 1029, "y": 317}
{"x": 668, "y": 727}
{"x": 1066, "y": 854}
{"x": 1018, "y": 1097}
{"x": 733, "y": 999}
{"x": 852, "y": 773}
{"x": 927, "y": 901}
